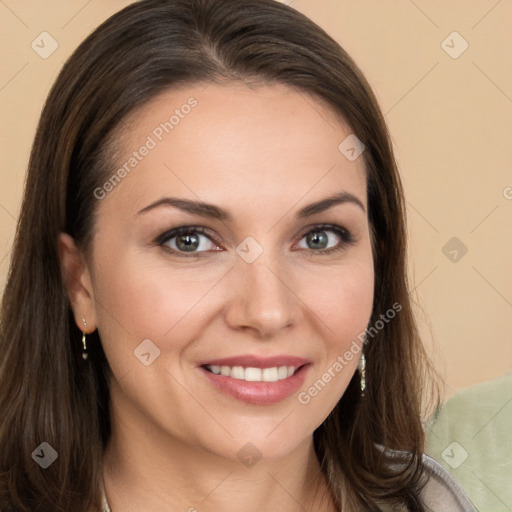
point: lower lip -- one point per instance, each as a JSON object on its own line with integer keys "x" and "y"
{"x": 259, "y": 393}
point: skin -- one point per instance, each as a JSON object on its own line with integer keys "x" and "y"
{"x": 262, "y": 152}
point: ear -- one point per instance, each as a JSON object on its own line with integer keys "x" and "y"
{"x": 78, "y": 283}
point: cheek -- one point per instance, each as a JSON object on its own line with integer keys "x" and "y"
{"x": 342, "y": 299}
{"x": 138, "y": 300}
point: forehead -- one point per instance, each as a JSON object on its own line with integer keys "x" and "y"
{"x": 234, "y": 143}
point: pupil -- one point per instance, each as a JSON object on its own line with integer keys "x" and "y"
{"x": 190, "y": 242}
{"x": 319, "y": 239}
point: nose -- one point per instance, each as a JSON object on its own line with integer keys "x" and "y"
{"x": 263, "y": 297}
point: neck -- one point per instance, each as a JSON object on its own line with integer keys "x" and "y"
{"x": 154, "y": 473}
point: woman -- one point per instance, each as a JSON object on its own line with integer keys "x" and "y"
{"x": 207, "y": 300}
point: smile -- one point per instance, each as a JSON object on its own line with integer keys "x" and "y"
{"x": 256, "y": 380}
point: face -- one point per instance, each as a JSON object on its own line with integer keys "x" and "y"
{"x": 230, "y": 323}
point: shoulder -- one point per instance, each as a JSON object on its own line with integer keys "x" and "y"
{"x": 442, "y": 493}
{"x": 470, "y": 437}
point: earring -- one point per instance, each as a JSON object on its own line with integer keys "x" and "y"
{"x": 362, "y": 372}
{"x": 84, "y": 353}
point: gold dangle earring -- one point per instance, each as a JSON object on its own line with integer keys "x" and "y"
{"x": 84, "y": 353}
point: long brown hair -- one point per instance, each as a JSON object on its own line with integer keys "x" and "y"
{"x": 47, "y": 393}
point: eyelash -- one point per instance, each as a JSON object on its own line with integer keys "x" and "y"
{"x": 346, "y": 238}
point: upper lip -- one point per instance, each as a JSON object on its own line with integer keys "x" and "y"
{"x": 255, "y": 361}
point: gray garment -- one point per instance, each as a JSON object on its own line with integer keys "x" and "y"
{"x": 442, "y": 493}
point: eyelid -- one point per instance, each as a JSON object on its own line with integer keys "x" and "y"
{"x": 322, "y": 226}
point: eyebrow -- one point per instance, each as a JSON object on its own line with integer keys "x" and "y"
{"x": 215, "y": 212}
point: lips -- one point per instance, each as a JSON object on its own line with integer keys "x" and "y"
{"x": 257, "y": 392}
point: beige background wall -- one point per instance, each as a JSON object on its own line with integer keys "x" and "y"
{"x": 449, "y": 112}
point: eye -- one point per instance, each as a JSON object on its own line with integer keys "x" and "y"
{"x": 193, "y": 241}
{"x": 187, "y": 239}
{"x": 326, "y": 238}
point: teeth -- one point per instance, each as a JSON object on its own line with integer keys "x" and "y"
{"x": 250, "y": 374}
{"x": 237, "y": 372}
{"x": 253, "y": 374}
{"x": 270, "y": 374}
